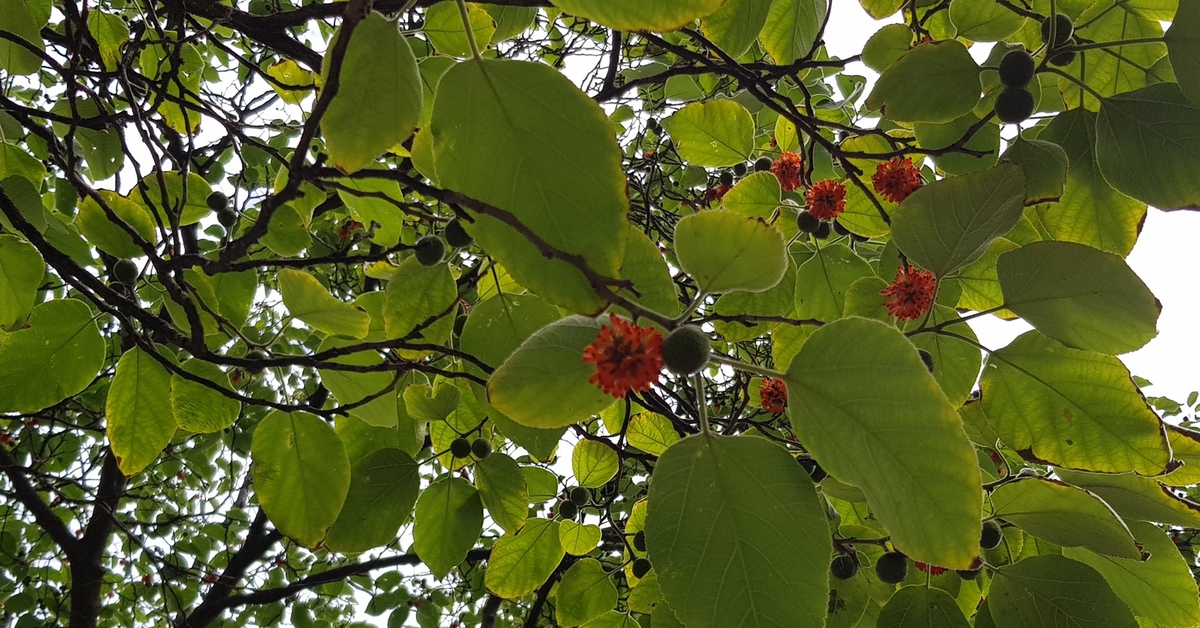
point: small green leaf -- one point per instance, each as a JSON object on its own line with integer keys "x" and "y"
{"x": 1044, "y": 591}
{"x": 940, "y": 135}
{"x": 502, "y": 487}
{"x": 734, "y": 27}
{"x": 448, "y": 522}
{"x": 420, "y": 295}
{"x": 594, "y": 463}
{"x": 651, "y": 433}
{"x": 198, "y": 407}
{"x": 726, "y": 252}
{"x": 578, "y": 539}
{"x": 792, "y": 28}
{"x": 645, "y": 267}
{"x": 1081, "y": 297}
{"x": 55, "y": 357}
{"x": 984, "y": 21}
{"x": 444, "y": 28}
{"x": 383, "y": 489}
{"x": 301, "y": 474}
{"x": 584, "y": 593}
{"x": 742, "y": 512}
{"x": 1137, "y": 498}
{"x": 886, "y": 46}
{"x": 716, "y": 133}
{"x": 823, "y": 281}
{"x": 138, "y": 418}
{"x": 309, "y": 301}
{"x": 110, "y": 33}
{"x": 919, "y": 606}
{"x": 944, "y": 68}
{"x": 292, "y": 82}
{"x": 956, "y": 360}
{"x": 23, "y": 20}
{"x": 1185, "y": 447}
{"x": 1045, "y": 168}
{"x": 1064, "y": 515}
{"x": 755, "y": 196}
{"x": 185, "y": 197}
{"x": 522, "y": 561}
{"x": 426, "y": 403}
{"x": 108, "y": 236}
{"x": 638, "y": 15}
{"x": 21, "y": 272}
{"x": 378, "y": 81}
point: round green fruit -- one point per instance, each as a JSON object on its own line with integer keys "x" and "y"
{"x": 579, "y": 496}
{"x": 125, "y": 272}
{"x": 641, "y": 567}
{"x": 686, "y": 350}
{"x": 927, "y": 358}
{"x": 430, "y": 250}
{"x": 1062, "y": 58}
{"x": 568, "y": 510}
{"x": 256, "y": 355}
{"x": 1064, "y": 29}
{"x": 481, "y": 448}
{"x": 823, "y": 231}
{"x": 991, "y": 536}
{"x": 726, "y": 178}
{"x": 639, "y": 541}
{"x": 1016, "y": 68}
{"x": 217, "y": 201}
{"x": 807, "y": 223}
{"x": 227, "y": 217}
{"x": 739, "y": 170}
{"x": 460, "y": 448}
{"x": 892, "y": 567}
{"x": 1014, "y": 104}
{"x": 763, "y": 164}
{"x": 456, "y": 236}
{"x": 652, "y": 124}
{"x": 843, "y": 567}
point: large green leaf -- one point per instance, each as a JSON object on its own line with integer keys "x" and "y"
{"x": 884, "y": 425}
{"x": 791, "y": 29}
{"x": 1148, "y": 146}
{"x": 55, "y": 357}
{"x": 378, "y": 81}
{"x": 417, "y": 295}
{"x": 544, "y": 383}
{"x": 584, "y": 593}
{"x": 309, "y": 301}
{"x": 1183, "y": 47}
{"x": 502, "y": 487}
{"x": 21, "y": 272}
{"x": 983, "y": 20}
{"x": 522, "y": 561}
{"x": 1081, "y": 297}
{"x": 107, "y": 235}
{"x": 1073, "y": 408}
{"x": 522, "y": 137}
{"x": 755, "y": 196}
{"x": 138, "y": 418}
{"x": 1044, "y": 165}
{"x": 735, "y": 26}
{"x": 594, "y": 463}
{"x": 449, "y": 518}
{"x": 823, "y": 281}
{"x": 1160, "y": 589}
{"x": 301, "y": 474}
{"x": 24, "y": 21}
{"x": 645, "y": 267}
{"x": 1064, "y": 515}
{"x": 734, "y": 524}
{"x": 383, "y": 489}
{"x": 1137, "y": 498}
{"x": 950, "y": 223}
{"x": 919, "y": 606}
{"x": 1116, "y": 69}
{"x": 199, "y": 407}
{"x": 715, "y": 133}
{"x": 638, "y": 15}
{"x": 725, "y": 252}
{"x": 944, "y": 68}
{"x": 1050, "y": 591}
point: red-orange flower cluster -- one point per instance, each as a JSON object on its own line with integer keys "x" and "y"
{"x": 826, "y": 200}
{"x": 717, "y": 193}
{"x": 772, "y": 395}
{"x": 896, "y": 178}
{"x": 911, "y": 294}
{"x": 787, "y": 169}
{"x": 932, "y": 570}
{"x": 626, "y": 357}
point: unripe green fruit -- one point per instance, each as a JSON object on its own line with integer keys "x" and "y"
{"x": 641, "y": 567}
{"x": 991, "y": 536}
{"x": 568, "y": 510}
{"x": 823, "y": 231}
{"x": 1062, "y": 58}
{"x": 843, "y": 567}
{"x": 481, "y": 447}
{"x": 460, "y": 448}
{"x": 726, "y": 178}
{"x": 763, "y": 164}
{"x": 969, "y": 574}
{"x": 255, "y": 354}
{"x": 1064, "y": 29}
{"x": 892, "y": 567}
{"x": 652, "y": 124}
{"x": 1014, "y": 104}
{"x": 686, "y": 350}
{"x": 807, "y": 223}
{"x": 927, "y": 358}
{"x": 124, "y": 271}
{"x": 579, "y": 496}
{"x": 217, "y": 201}
{"x": 739, "y": 170}
{"x": 639, "y": 541}
{"x": 456, "y": 236}
{"x": 227, "y": 217}
{"x": 1016, "y": 68}
{"x": 430, "y": 250}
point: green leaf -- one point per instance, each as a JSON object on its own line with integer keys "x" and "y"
{"x": 1090, "y": 211}
{"x": 982, "y": 20}
{"x": 292, "y": 82}
{"x": 55, "y": 357}
{"x": 432, "y": 403}
{"x": 309, "y": 301}
{"x": 594, "y": 463}
{"x": 383, "y": 489}
{"x": 378, "y": 81}
{"x": 1148, "y": 146}
{"x": 444, "y": 27}
{"x": 1064, "y": 515}
{"x": 287, "y": 235}
{"x": 110, "y": 33}
{"x": 944, "y": 68}
{"x": 1137, "y": 498}
{"x": 792, "y": 28}
{"x": 584, "y": 593}
{"x": 420, "y": 296}
{"x": 919, "y": 606}
{"x": 15, "y": 161}
{"x": 498, "y": 130}
{"x": 1183, "y": 48}
{"x": 1050, "y": 591}
{"x": 1160, "y": 589}
{"x": 645, "y": 267}
{"x": 950, "y": 223}
{"x": 1185, "y": 446}
{"x": 510, "y": 20}
{"x": 301, "y": 474}
{"x": 940, "y": 135}
{"x": 138, "y": 418}
{"x": 755, "y": 196}
{"x": 20, "y": 19}
{"x": 716, "y": 133}
{"x": 196, "y": 406}
{"x": 1071, "y": 408}
{"x": 978, "y": 281}
{"x": 502, "y": 487}
{"x": 448, "y": 522}
{"x": 107, "y": 235}
{"x": 1081, "y": 297}
{"x": 1116, "y": 69}
{"x": 21, "y": 272}
{"x": 651, "y": 433}
{"x": 956, "y": 361}
{"x": 823, "y": 281}
{"x": 637, "y": 15}
{"x": 884, "y": 425}
{"x": 725, "y": 252}
{"x": 578, "y": 539}
{"x": 734, "y": 27}
{"x": 886, "y": 46}
{"x": 522, "y": 561}
{"x": 186, "y": 197}
{"x": 1045, "y": 168}
{"x": 544, "y": 383}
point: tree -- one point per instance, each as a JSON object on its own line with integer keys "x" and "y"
{"x": 343, "y": 309}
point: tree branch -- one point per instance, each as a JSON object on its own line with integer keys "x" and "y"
{"x": 41, "y": 511}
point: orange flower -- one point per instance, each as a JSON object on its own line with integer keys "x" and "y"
{"x": 895, "y": 179}
{"x": 911, "y": 294}
{"x": 717, "y": 193}
{"x": 626, "y": 357}
{"x": 826, "y": 199}
{"x": 773, "y": 395}
{"x": 932, "y": 570}
{"x": 787, "y": 170}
